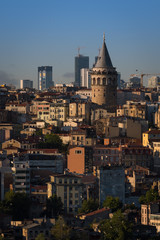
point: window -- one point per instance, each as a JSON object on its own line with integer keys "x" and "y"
{"x": 70, "y": 195}
{"x": 60, "y": 180}
{"x": 78, "y": 152}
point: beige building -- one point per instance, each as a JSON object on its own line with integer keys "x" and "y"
{"x": 28, "y": 131}
{"x": 133, "y": 109}
{"x": 87, "y": 92}
{"x": 150, "y": 136}
{"x": 59, "y": 110}
{"x": 69, "y": 188}
{"x": 22, "y": 108}
{"x": 136, "y": 177}
{"x": 79, "y": 112}
{"x": 82, "y": 137}
{"x": 150, "y": 215}
{"x": 11, "y": 143}
{"x": 32, "y": 230}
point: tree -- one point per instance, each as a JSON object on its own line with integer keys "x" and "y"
{"x": 61, "y": 231}
{"x": 89, "y": 206}
{"x": 151, "y": 195}
{"x": 39, "y": 132}
{"x": 40, "y": 237}
{"x": 16, "y": 204}
{"x": 51, "y": 141}
{"x": 116, "y": 228}
{"x": 113, "y": 203}
{"x": 54, "y": 206}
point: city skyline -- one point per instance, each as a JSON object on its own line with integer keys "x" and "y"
{"x": 37, "y": 34}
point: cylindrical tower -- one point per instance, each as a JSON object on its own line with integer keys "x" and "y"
{"x": 104, "y": 81}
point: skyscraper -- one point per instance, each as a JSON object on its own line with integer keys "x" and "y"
{"x": 26, "y": 84}
{"x": 104, "y": 81}
{"x": 85, "y": 78}
{"x": 44, "y": 77}
{"x": 80, "y": 62}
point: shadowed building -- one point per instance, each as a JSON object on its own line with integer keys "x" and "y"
{"x": 45, "y": 77}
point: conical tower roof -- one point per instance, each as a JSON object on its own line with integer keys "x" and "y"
{"x": 104, "y": 60}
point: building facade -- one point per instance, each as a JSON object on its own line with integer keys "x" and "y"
{"x": 85, "y": 78}
{"x": 80, "y": 159}
{"x": 26, "y": 84}
{"x": 80, "y": 62}
{"x": 44, "y": 77}
{"x": 69, "y": 188}
{"x": 111, "y": 183}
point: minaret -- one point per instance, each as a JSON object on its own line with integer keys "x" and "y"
{"x": 104, "y": 81}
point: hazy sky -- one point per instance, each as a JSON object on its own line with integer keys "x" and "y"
{"x": 48, "y": 32}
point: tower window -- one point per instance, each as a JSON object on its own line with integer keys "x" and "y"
{"x": 98, "y": 81}
{"x": 94, "y": 81}
{"x": 104, "y": 81}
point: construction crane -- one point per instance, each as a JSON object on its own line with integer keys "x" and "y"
{"x": 144, "y": 74}
{"x": 78, "y": 48}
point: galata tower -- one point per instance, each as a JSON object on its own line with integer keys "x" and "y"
{"x": 104, "y": 81}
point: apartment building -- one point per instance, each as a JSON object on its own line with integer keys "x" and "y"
{"x": 133, "y": 109}
{"x": 136, "y": 155}
{"x": 79, "y": 111}
{"x": 105, "y": 155}
{"x": 80, "y": 159}
{"x": 69, "y": 188}
{"x": 22, "y": 108}
{"x": 83, "y": 137}
{"x": 150, "y": 136}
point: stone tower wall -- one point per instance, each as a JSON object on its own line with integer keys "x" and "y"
{"x": 104, "y": 87}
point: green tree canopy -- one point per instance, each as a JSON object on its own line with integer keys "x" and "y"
{"x": 53, "y": 141}
{"x": 151, "y": 195}
{"x": 16, "y": 204}
{"x": 116, "y": 228}
{"x": 61, "y": 231}
{"x": 113, "y": 203}
{"x": 40, "y": 237}
{"x": 89, "y": 206}
{"x": 54, "y": 206}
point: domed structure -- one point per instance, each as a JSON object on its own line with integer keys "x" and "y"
{"x": 104, "y": 81}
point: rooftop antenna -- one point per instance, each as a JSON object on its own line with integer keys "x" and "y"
{"x": 79, "y": 48}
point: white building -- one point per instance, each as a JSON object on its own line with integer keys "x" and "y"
{"x": 85, "y": 78}
{"x": 26, "y": 84}
{"x": 154, "y": 82}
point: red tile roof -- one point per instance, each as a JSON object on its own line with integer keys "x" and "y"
{"x": 96, "y": 212}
